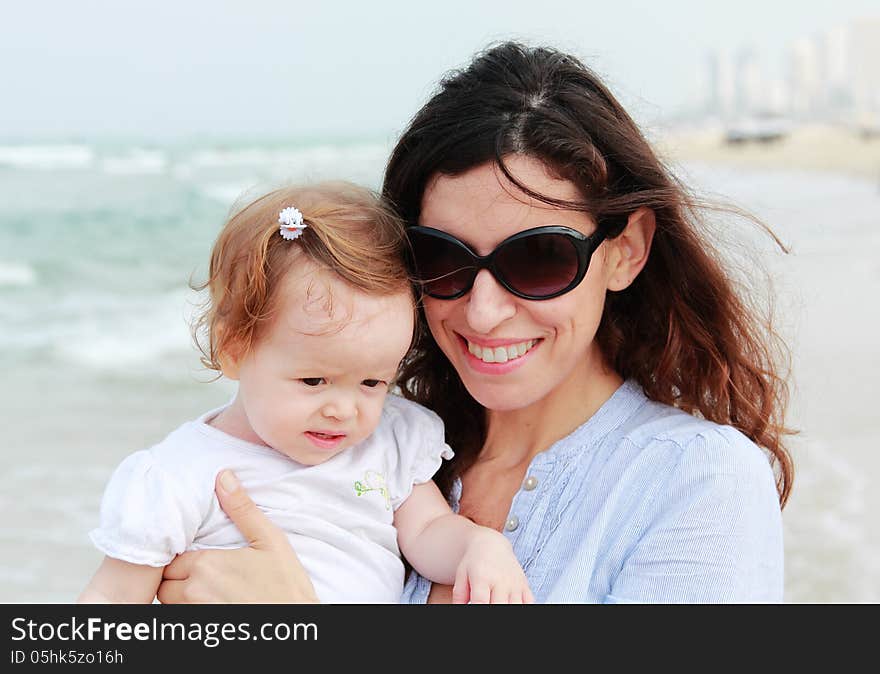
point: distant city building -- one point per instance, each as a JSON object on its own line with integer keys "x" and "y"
{"x": 833, "y": 75}
{"x": 806, "y": 73}
{"x": 838, "y": 72}
{"x": 864, "y": 49}
{"x": 722, "y": 84}
{"x": 749, "y": 82}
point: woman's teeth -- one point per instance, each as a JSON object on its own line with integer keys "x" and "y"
{"x": 500, "y": 354}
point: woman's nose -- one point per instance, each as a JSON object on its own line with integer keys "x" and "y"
{"x": 488, "y": 303}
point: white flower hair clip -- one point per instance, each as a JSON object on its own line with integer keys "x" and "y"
{"x": 292, "y": 224}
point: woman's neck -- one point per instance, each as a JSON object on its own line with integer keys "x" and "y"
{"x": 516, "y": 436}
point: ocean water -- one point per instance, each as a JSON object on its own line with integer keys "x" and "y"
{"x": 98, "y": 244}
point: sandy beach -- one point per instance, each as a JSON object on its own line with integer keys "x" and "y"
{"x": 814, "y": 147}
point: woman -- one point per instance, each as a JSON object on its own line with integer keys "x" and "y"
{"x": 606, "y": 391}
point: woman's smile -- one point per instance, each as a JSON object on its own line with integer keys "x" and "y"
{"x": 497, "y": 356}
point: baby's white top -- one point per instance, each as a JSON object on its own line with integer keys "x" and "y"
{"x": 338, "y": 514}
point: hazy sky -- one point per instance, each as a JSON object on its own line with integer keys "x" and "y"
{"x": 167, "y": 69}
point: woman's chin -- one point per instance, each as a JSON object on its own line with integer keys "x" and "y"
{"x": 502, "y": 397}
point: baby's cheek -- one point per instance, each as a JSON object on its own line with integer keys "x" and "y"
{"x": 280, "y": 422}
{"x": 372, "y": 416}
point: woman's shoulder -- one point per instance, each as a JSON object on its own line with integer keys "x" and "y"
{"x": 684, "y": 458}
{"x": 653, "y": 433}
{"x": 692, "y": 437}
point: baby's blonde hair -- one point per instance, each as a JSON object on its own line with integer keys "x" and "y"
{"x": 349, "y": 232}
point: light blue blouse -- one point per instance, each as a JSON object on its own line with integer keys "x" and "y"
{"x": 645, "y": 503}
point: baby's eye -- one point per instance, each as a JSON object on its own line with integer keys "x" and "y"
{"x": 312, "y": 381}
{"x": 372, "y": 383}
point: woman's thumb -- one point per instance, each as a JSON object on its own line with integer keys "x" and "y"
{"x": 236, "y": 503}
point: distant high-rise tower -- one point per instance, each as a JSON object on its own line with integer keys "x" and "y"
{"x": 750, "y": 83}
{"x": 806, "y": 75}
{"x": 838, "y": 70}
{"x": 864, "y": 61}
{"x": 721, "y": 99}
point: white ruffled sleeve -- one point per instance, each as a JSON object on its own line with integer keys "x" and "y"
{"x": 147, "y": 517}
{"x": 420, "y": 447}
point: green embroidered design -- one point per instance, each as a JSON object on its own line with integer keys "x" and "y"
{"x": 373, "y": 481}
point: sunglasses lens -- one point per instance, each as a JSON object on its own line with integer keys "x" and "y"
{"x": 443, "y": 268}
{"x": 539, "y": 265}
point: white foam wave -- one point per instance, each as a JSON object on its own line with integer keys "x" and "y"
{"x": 47, "y": 156}
{"x": 289, "y": 158}
{"x": 225, "y": 193}
{"x": 16, "y": 274}
{"x": 257, "y": 168}
{"x": 133, "y": 336}
{"x": 136, "y": 162}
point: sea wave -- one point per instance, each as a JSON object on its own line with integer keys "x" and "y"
{"x": 301, "y": 160}
{"x": 16, "y": 274}
{"x": 247, "y": 170}
{"x": 66, "y": 156}
{"x": 224, "y": 193}
{"x": 125, "y": 336}
{"x": 137, "y": 161}
{"x": 315, "y": 154}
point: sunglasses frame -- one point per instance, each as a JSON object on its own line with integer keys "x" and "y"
{"x": 584, "y": 245}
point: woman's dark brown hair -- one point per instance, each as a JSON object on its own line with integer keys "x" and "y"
{"x": 681, "y": 329}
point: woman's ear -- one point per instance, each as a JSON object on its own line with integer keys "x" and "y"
{"x": 632, "y": 247}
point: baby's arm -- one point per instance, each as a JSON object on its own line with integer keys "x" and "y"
{"x": 118, "y": 582}
{"x": 450, "y": 549}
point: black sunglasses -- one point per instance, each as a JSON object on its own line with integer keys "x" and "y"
{"x": 535, "y": 264}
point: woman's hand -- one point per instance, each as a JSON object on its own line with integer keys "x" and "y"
{"x": 267, "y": 571}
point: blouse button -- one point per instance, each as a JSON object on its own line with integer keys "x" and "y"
{"x": 512, "y": 523}
{"x": 530, "y": 483}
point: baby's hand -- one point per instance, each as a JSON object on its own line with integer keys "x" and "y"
{"x": 489, "y": 573}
